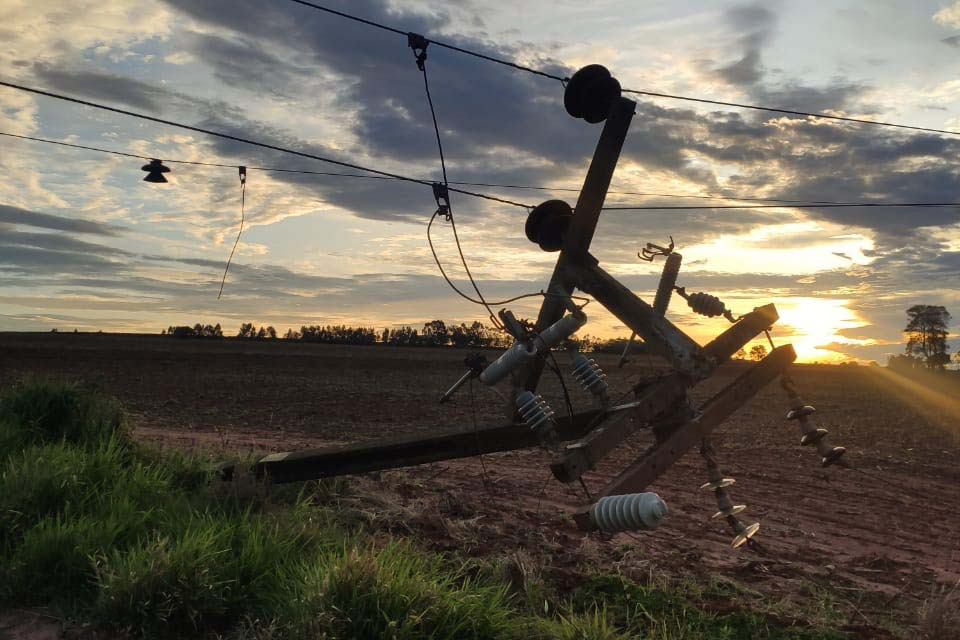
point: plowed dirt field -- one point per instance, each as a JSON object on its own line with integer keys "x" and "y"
{"x": 875, "y": 541}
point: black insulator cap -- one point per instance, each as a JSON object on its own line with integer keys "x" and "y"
{"x": 547, "y": 224}
{"x": 155, "y": 171}
{"x": 590, "y": 93}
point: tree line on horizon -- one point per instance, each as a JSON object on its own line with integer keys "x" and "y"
{"x": 435, "y": 333}
{"x": 926, "y": 332}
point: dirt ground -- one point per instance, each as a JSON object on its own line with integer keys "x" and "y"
{"x": 872, "y": 543}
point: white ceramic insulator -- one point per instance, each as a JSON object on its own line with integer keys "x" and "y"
{"x": 588, "y": 373}
{"x": 628, "y": 512}
{"x": 517, "y": 355}
{"x": 559, "y": 331}
{"x": 535, "y": 411}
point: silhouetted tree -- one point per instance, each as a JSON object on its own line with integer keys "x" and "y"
{"x": 435, "y": 333}
{"x": 196, "y": 331}
{"x": 758, "y": 352}
{"x": 927, "y": 334}
{"x": 247, "y": 331}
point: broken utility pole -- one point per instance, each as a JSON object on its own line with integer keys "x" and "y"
{"x": 581, "y": 441}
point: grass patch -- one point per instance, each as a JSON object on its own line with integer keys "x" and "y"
{"x": 147, "y": 543}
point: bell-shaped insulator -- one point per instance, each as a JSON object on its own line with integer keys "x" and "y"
{"x": 590, "y": 93}
{"x": 548, "y": 223}
{"x": 155, "y": 171}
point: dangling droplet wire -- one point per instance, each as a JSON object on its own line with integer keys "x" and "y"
{"x": 419, "y": 46}
{"x": 243, "y": 198}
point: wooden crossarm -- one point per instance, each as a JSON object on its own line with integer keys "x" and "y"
{"x": 656, "y": 460}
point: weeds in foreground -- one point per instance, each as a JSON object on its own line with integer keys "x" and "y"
{"x": 98, "y": 529}
{"x": 940, "y": 615}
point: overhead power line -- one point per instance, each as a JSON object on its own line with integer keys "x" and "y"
{"x": 255, "y": 143}
{"x": 783, "y": 201}
{"x": 780, "y": 206}
{"x": 652, "y": 94}
{"x": 809, "y": 114}
{"x": 437, "y": 43}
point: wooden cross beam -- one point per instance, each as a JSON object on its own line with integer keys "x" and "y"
{"x": 661, "y": 456}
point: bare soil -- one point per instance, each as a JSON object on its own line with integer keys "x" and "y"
{"x": 870, "y": 544}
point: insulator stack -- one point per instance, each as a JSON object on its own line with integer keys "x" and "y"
{"x": 628, "y": 512}
{"x": 538, "y": 416}
{"x": 812, "y": 436}
{"x": 726, "y": 508}
{"x": 706, "y": 305}
{"x": 591, "y": 377}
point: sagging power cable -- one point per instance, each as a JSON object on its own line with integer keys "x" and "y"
{"x": 419, "y": 46}
{"x": 780, "y": 206}
{"x": 438, "y": 43}
{"x": 486, "y": 196}
{"x": 243, "y": 198}
{"x": 227, "y": 136}
{"x": 642, "y": 92}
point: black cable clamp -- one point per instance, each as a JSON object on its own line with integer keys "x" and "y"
{"x": 419, "y": 45}
{"x": 442, "y": 195}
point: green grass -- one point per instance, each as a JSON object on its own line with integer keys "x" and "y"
{"x": 662, "y": 611}
{"x": 97, "y": 529}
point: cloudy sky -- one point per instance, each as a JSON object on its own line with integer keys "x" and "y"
{"x": 85, "y": 243}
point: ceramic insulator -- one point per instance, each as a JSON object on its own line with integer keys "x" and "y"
{"x": 517, "y": 355}
{"x": 628, "y": 512}
{"x": 588, "y": 373}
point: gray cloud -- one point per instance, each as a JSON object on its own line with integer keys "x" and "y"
{"x": 748, "y": 70}
{"x": 753, "y": 24}
{"x": 16, "y": 215}
{"x": 99, "y": 85}
{"x": 34, "y": 261}
{"x": 501, "y": 125}
{"x": 56, "y": 242}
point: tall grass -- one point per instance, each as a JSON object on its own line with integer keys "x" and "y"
{"x": 96, "y": 528}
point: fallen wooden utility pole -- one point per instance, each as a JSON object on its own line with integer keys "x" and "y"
{"x": 661, "y": 405}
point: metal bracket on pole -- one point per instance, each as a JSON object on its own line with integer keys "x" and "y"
{"x": 661, "y": 301}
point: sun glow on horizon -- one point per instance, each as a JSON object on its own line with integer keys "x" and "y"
{"x": 814, "y": 324}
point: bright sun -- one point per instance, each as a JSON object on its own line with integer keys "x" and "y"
{"x": 814, "y": 323}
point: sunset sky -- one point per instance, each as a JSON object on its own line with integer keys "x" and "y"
{"x": 85, "y": 243}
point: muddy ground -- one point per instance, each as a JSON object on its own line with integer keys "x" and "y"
{"x": 871, "y": 544}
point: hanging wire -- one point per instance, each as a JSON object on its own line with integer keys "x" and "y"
{"x": 226, "y": 136}
{"x": 792, "y": 112}
{"x": 419, "y": 46}
{"x": 652, "y": 94}
{"x": 438, "y": 43}
{"x": 476, "y": 435}
{"x": 733, "y": 198}
{"x": 243, "y": 198}
{"x": 538, "y": 294}
{"x": 777, "y": 206}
